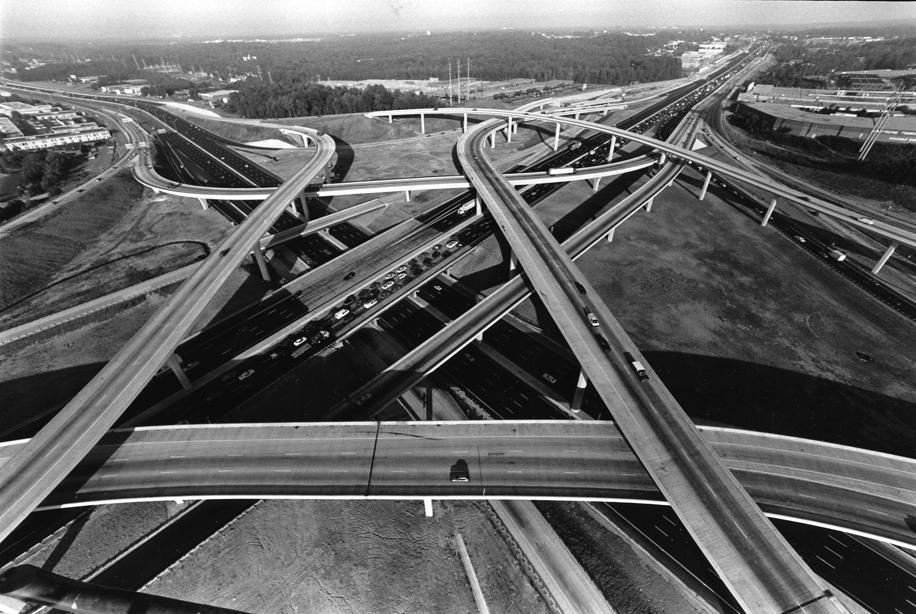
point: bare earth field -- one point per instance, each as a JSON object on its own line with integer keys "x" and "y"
{"x": 352, "y": 556}
{"x": 115, "y": 236}
{"x": 747, "y": 329}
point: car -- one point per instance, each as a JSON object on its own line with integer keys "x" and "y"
{"x": 372, "y": 302}
{"x": 387, "y": 285}
{"x": 350, "y": 275}
{"x": 550, "y": 378}
{"x": 452, "y": 244}
{"x": 799, "y": 238}
{"x": 437, "y": 288}
{"x": 401, "y": 276}
{"x": 459, "y": 472}
{"x": 341, "y": 313}
{"x": 636, "y": 366}
{"x": 245, "y": 374}
{"x": 300, "y": 341}
{"x": 580, "y": 287}
{"x": 592, "y": 318}
{"x": 603, "y": 343}
{"x": 389, "y": 276}
{"x": 866, "y": 220}
{"x": 437, "y": 247}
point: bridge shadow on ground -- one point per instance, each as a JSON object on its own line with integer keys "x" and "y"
{"x": 763, "y": 398}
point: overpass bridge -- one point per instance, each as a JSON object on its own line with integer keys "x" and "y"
{"x": 848, "y": 489}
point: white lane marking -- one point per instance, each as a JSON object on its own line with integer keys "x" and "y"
{"x": 837, "y": 555}
{"x": 178, "y": 457}
{"x": 347, "y": 453}
{"x": 824, "y": 562}
{"x": 284, "y": 470}
{"x": 572, "y": 472}
{"x": 514, "y": 471}
{"x": 164, "y": 472}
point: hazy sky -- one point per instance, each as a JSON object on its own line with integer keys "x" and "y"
{"x": 143, "y": 19}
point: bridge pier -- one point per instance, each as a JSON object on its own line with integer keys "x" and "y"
{"x": 493, "y": 140}
{"x": 389, "y": 118}
{"x": 203, "y": 202}
{"x": 464, "y": 126}
{"x": 175, "y": 367}
{"x": 766, "y": 216}
{"x": 705, "y": 185}
{"x": 422, "y": 123}
{"x": 885, "y": 257}
{"x": 428, "y": 507}
{"x": 556, "y": 138}
{"x": 579, "y": 392}
{"x": 478, "y": 206}
{"x": 577, "y": 115}
{"x": 509, "y": 130}
{"x": 512, "y": 262}
{"x": 407, "y": 195}
{"x": 649, "y": 205}
{"x": 610, "y": 235}
{"x": 610, "y": 151}
{"x": 662, "y": 158}
{"x": 596, "y": 184}
{"x": 259, "y": 259}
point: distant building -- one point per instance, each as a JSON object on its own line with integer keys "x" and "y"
{"x": 217, "y": 97}
{"x": 714, "y": 48}
{"x": 9, "y": 130}
{"x": 23, "y": 108}
{"x": 87, "y": 133}
{"x": 899, "y": 128}
{"x": 134, "y": 87}
{"x": 693, "y": 59}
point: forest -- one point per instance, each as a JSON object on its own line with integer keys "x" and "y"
{"x": 608, "y": 58}
{"x": 801, "y": 66}
{"x": 294, "y": 98}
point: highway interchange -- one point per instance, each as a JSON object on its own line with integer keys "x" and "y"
{"x": 363, "y": 282}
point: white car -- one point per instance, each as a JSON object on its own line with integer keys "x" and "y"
{"x": 592, "y": 319}
{"x": 299, "y": 341}
{"x": 387, "y": 285}
{"x": 370, "y": 303}
{"x": 245, "y": 375}
{"x": 549, "y": 378}
{"x": 800, "y": 238}
{"x": 866, "y": 220}
{"x": 401, "y": 276}
{"x": 341, "y": 314}
{"x": 401, "y": 269}
{"x": 451, "y": 245}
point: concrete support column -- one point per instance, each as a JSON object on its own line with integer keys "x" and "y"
{"x": 407, "y": 195}
{"x": 556, "y": 137}
{"x": 172, "y": 364}
{"x": 579, "y": 392}
{"x": 885, "y": 257}
{"x": 422, "y": 123}
{"x": 610, "y": 151}
{"x": 478, "y": 338}
{"x": 478, "y": 205}
{"x": 203, "y": 203}
{"x": 464, "y": 127}
{"x": 513, "y": 263}
{"x": 493, "y": 140}
{"x": 596, "y": 184}
{"x": 509, "y": 130}
{"x": 649, "y": 205}
{"x": 515, "y": 127}
{"x": 303, "y": 207}
{"x": 428, "y": 507}
{"x": 705, "y": 185}
{"x": 389, "y": 118}
{"x": 610, "y": 235}
{"x": 770, "y": 210}
{"x": 662, "y": 158}
{"x": 259, "y": 259}
{"x": 577, "y": 115}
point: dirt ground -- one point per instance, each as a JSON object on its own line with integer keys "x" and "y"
{"x": 116, "y": 235}
{"x": 352, "y": 556}
{"x": 90, "y": 541}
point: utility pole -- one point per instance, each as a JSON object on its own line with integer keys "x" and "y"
{"x": 450, "y": 82}
{"x": 459, "y": 80}
{"x": 467, "y": 71}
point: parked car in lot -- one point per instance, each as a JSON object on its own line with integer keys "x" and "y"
{"x": 387, "y": 285}
{"x": 350, "y": 275}
{"x": 401, "y": 276}
{"x": 245, "y": 374}
{"x": 592, "y": 318}
{"x": 550, "y": 378}
{"x": 451, "y": 244}
{"x": 300, "y": 341}
{"x": 341, "y": 314}
{"x": 372, "y": 302}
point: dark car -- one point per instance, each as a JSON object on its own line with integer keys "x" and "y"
{"x": 580, "y": 287}
{"x": 350, "y": 275}
{"x": 459, "y": 473}
{"x": 603, "y": 343}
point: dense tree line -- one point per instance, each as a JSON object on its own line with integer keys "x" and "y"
{"x": 299, "y": 98}
{"x": 801, "y": 66}
{"x": 611, "y": 57}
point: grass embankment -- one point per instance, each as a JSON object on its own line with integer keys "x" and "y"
{"x": 112, "y": 237}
